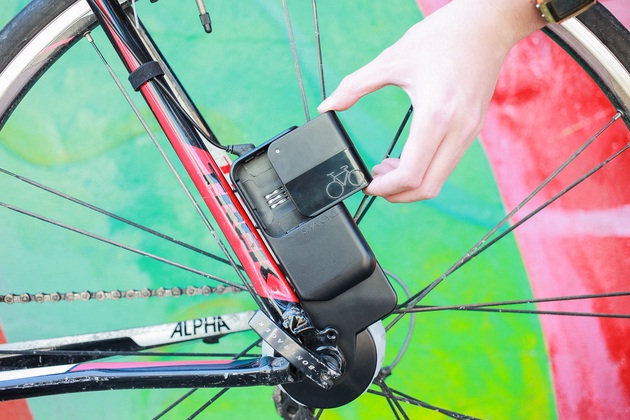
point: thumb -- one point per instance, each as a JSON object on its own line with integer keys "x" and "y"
{"x": 353, "y": 87}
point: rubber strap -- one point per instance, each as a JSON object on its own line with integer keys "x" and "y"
{"x": 144, "y": 73}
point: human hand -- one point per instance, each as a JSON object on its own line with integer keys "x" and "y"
{"x": 448, "y": 65}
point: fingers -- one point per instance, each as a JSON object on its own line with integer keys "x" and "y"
{"x": 393, "y": 177}
{"x": 449, "y": 95}
{"x": 385, "y": 166}
{"x": 367, "y": 79}
{"x": 431, "y": 153}
{"x": 441, "y": 166}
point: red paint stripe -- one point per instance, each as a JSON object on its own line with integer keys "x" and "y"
{"x": 138, "y": 365}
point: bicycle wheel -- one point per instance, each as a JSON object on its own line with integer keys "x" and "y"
{"x": 355, "y": 178}
{"x": 438, "y": 368}
{"x": 334, "y": 189}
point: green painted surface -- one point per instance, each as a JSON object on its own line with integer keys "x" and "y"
{"x": 76, "y": 134}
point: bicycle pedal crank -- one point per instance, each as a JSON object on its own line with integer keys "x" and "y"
{"x": 306, "y": 362}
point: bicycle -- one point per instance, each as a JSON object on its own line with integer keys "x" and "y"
{"x": 337, "y": 185}
{"x": 207, "y": 317}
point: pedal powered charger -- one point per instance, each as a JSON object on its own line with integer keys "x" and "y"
{"x": 294, "y": 185}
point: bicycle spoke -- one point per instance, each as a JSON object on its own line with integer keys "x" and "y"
{"x": 483, "y": 244}
{"x": 559, "y": 313}
{"x": 120, "y": 245}
{"x": 243, "y": 353}
{"x": 402, "y": 397}
{"x": 236, "y": 357}
{"x": 318, "y": 44}
{"x": 391, "y": 400}
{"x": 365, "y": 205}
{"x": 209, "y": 402}
{"x": 412, "y": 323}
{"x": 175, "y": 403}
{"x": 113, "y": 215}
{"x": 296, "y": 61}
{"x": 472, "y": 306}
{"x": 491, "y": 306}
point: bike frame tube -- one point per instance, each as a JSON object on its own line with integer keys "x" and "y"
{"x": 207, "y": 175}
{"x": 76, "y": 371}
{"x": 83, "y": 348}
{"x": 95, "y": 376}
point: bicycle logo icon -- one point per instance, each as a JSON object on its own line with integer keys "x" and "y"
{"x": 337, "y": 186}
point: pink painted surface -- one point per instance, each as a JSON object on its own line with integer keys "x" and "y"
{"x": 138, "y": 365}
{"x": 543, "y": 109}
{"x": 536, "y": 120}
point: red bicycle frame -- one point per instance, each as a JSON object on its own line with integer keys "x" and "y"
{"x": 208, "y": 175}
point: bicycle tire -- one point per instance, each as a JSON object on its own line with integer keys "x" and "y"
{"x": 23, "y": 28}
{"x": 600, "y": 24}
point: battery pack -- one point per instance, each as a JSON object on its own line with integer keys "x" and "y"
{"x": 294, "y": 185}
{"x": 318, "y": 165}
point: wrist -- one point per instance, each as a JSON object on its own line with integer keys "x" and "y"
{"x": 513, "y": 20}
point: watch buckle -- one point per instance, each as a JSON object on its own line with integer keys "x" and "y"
{"x": 557, "y": 11}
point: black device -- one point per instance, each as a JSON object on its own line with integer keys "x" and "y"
{"x": 294, "y": 185}
{"x": 318, "y": 165}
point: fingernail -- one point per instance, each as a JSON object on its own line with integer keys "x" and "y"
{"x": 324, "y": 105}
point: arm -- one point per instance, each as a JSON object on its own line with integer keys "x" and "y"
{"x": 448, "y": 64}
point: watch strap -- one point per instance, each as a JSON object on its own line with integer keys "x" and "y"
{"x": 557, "y": 11}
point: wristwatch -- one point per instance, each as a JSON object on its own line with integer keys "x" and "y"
{"x": 557, "y": 11}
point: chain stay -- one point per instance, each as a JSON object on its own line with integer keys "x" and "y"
{"x": 115, "y": 294}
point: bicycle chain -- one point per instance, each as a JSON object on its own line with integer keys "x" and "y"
{"x": 115, "y": 294}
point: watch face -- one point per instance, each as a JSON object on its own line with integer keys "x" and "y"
{"x": 559, "y": 10}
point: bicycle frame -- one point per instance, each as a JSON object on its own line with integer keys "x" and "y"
{"x": 200, "y": 163}
{"x": 207, "y": 167}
